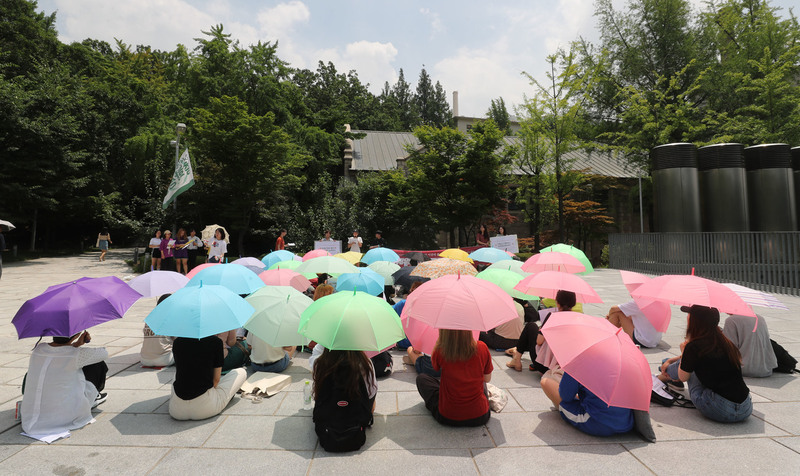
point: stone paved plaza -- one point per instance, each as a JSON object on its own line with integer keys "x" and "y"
{"x": 134, "y": 434}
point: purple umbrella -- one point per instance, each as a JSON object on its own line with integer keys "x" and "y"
{"x": 156, "y": 283}
{"x": 66, "y": 309}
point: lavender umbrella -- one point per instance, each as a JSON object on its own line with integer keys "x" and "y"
{"x": 156, "y": 283}
{"x": 66, "y": 309}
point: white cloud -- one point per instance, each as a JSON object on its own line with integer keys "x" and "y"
{"x": 279, "y": 21}
{"x": 371, "y": 59}
{"x": 434, "y": 19}
{"x": 161, "y": 24}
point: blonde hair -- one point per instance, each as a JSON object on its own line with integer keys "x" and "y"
{"x": 322, "y": 291}
{"x": 456, "y": 345}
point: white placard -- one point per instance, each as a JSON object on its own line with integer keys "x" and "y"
{"x": 505, "y": 243}
{"x": 333, "y": 247}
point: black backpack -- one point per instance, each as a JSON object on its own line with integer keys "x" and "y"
{"x": 340, "y": 422}
{"x": 786, "y": 363}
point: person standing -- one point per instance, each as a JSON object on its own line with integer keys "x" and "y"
{"x": 379, "y": 241}
{"x": 355, "y": 242}
{"x": 482, "y": 236}
{"x": 181, "y": 253}
{"x": 280, "y": 244}
{"x": 327, "y": 236}
{"x": 103, "y": 240}
{"x": 217, "y": 247}
{"x": 155, "y": 250}
{"x": 167, "y": 250}
{"x": 192, "y": 248}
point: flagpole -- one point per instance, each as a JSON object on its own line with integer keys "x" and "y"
{"x": 179, "y": 128}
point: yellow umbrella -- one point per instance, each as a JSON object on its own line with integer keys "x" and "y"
{"x": 351, "y": 257}
{"x": 455, "y": 253}
{"x": 443, "y": 266}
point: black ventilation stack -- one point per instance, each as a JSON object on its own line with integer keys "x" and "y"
{"x": 796, "y": 173}
{"x": 770, "y": 188}
{"x": 723, "y": 187}
{"x": 676, "y": 192}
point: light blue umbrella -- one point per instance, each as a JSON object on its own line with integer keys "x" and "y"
{"x": 365, "y": 280}
{"x": 237, "y": 278}
{"x": 489, "y": 255}
{"x": 199, "y": 311}
{"x": 380, "y": 254}
{"x": 276, "y": 256}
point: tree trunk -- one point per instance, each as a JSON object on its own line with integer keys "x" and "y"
{"x": 537, "y": 215}
{"x": 33, "y": 229}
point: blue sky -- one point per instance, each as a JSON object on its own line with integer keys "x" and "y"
{"x": 479, "y": 49}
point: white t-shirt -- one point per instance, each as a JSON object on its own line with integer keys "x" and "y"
{"x": 155, "y": 242}
{"x": 156, "y": 350}
{"x": 643, "y": 330}
{"x": 57, "y": 396}
{"x": 355, "y": 243}
{"x": 217, "y": 248}
{"x": 193, "y": 243}
{"x": 263, "y": 353}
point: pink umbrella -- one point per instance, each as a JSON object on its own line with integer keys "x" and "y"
{"x": 553, "y": 261}
{"x": 422, "y": 336}
{"x": 285, "y": 277}
{"x": 633, "y": 280}
{"x": 601, "y": 357}
{"x": 198, "y": 268}
{"x": 547, "y": 284}
{"x": 657, "y": 312}
{"x": 460, "y": 302}
{"x": 686, "y": 290}
{"x": 315, "y": 254}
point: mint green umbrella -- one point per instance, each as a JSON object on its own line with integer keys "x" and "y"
{"x": 506, "y": 279}
{"x": 352, "y": 321}
{"x": 509, "y": 265}
{"x": 385, "y": 269}
{"x": 277, "y": 315}
{"x": 292, "y": 264}
{"x": 571, "y": 250}
{"x": 326, "y": 264}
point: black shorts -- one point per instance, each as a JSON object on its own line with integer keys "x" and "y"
{"x": 156, "y": 253}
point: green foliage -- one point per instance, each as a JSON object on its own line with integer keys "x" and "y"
{"x": 453, "y": 179}
{"x": 499, "y": 114}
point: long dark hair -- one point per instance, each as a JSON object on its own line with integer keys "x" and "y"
{"x": 349, "y": 367}
{"x": 704, "y": 326}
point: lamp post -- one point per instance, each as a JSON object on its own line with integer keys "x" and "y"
{"x": 179, "y": 129}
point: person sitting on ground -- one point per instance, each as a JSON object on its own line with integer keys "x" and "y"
{"x": 344, "y": 395}
{"x": 712, "y": 366}
{"x": 632, "y": 320}
{"x": 752, "y": 340}
{"x": 200, "y": 390}
{"x": 236, "y": 351}
{"x": 506, "y": 335}
{"x": 530, "y": 340}
{"x": 64, "y": 382}
{"x": 459, "y": 396}
{"x": 266, "y": 358}
{"x": 156, "y": 350}
{"x": 582, "y": 409}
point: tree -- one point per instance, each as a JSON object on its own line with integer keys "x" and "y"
{"x": 453, "y": 179}
{"x": 431, "y": 102}
{"x": 499, "y": 114}
{"x": 406, "y": 108}
{"x": 554, "y": 116}
{"x": 246, "y": 164}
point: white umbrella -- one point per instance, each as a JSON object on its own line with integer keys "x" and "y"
{"x": 6, "y": 225}
{"x": 755, "y": 297}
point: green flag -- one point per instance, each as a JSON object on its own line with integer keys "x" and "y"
{"x": 182, "y": 179}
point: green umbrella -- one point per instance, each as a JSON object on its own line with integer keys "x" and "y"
{"x": 277, "y": 315}
{"x": 506, "y": 279}
{"x": 385, "y": 269}
{"x": 352, "y": 321}
{"x": 571, "y": 250}
{"x": 292, "y": 264}
{"x": 509, "y": 265}
{"x": 326, "y": 264}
